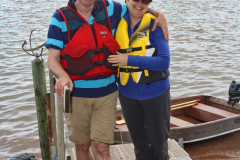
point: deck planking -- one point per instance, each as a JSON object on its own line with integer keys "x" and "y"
{"x": 126, "y": 152}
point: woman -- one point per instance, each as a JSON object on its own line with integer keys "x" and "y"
{"x": 143, "y": 81}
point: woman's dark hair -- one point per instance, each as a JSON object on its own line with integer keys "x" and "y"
{"x": 149, "y": 1}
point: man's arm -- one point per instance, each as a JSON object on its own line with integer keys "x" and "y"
{"x": 161, "y": 21}
{"x": 57, "y": 70}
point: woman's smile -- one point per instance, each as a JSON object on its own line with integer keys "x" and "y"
{"x": 138, "y": 8}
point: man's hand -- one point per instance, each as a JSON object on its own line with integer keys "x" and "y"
{"x": 161, "y": 21}
{"x": 57, "y": 70}
{"x": 61, "y": 82}
{"x": 118, "y": 60}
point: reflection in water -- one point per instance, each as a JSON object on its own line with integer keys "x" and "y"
{"x": 204, "y": 43}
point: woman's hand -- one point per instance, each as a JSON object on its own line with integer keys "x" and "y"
{"x": 118, "y": 60}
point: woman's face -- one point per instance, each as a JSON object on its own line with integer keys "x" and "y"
{"x": 136, "y": 9}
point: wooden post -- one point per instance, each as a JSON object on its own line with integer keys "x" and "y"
{"x": 52, "y": 97}
{"x": 50, "y": 130}
{"x": 67, "y": 109}
{"x": 60, "y": 127}
{"x": 39, "y": 82}
{"x": 62, "y": 105}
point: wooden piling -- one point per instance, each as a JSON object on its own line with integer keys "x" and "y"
{"x": 39, "y": 82}
{"x": 52, "y": 97}
{"x": 50, "y": 130}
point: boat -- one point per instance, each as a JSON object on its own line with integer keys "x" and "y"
{"x": 193, "y": 119}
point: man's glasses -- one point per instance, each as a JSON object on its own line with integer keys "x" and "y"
{"x": 146, "y": 2}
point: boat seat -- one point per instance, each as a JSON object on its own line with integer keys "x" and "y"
{"x": 176, "y": 122}
{"x": 207, "y": 113}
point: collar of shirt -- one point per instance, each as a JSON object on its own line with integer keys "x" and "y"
{"x": 94, "y": 12}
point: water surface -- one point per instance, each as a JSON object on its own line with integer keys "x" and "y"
{"x": 204, "y": 44}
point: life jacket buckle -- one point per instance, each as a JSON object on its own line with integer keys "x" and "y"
{"x": 129, "y": 70}
{"x": 98, "y": 50}
{"x": 129, "y": 50}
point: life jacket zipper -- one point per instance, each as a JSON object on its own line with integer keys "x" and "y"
{"x": 96, "y": 46}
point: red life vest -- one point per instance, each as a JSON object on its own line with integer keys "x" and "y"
{"x": 86, "y": 54}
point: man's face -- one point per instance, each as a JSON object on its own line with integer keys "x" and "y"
{"x": 87, "y": 2}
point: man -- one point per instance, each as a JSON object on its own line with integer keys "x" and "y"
{"x": 93, "y": 88}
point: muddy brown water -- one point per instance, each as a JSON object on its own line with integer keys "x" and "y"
{"x": 204, "y": 44}
{"x": 223, "y": 147}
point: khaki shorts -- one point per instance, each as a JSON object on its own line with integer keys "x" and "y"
{"x": 92, "y": 119}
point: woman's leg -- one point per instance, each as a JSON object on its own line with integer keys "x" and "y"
{"x": 134, "y": 117}
{"x": 157, "y": 119}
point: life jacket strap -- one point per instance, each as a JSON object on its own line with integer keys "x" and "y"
{"x": 128, "y": 50}
{"x": 92, "y": 52}
{"x": 98, "y": 63}
{"x": 129, "y": 70}
{"x": 96, "y": 51}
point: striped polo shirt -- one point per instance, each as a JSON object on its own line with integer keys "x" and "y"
{"x": 57, "y": 38}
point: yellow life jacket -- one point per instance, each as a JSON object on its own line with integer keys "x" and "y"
{"x": 139, "y": 39}
{"x": 137, "y": 45}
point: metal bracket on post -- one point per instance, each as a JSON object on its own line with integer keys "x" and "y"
{"x": 40, "y": 47}
{"x": 54, "y": 154}
{"x": 181, "y": 142}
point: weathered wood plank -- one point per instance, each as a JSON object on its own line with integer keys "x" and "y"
{"x": 176, "y": 122}
{"x": 49, "y": 115}
{"x": 207, "y": 113}
{"x": 126, "y": 152}
{"x": 52, "y": 98}
{"x": 60, "y": 127}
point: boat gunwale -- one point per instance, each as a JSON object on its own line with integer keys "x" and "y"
{"x": 207, "y": 98}
{"x": 197, "y": 125}
{"x": 212, "y": 136}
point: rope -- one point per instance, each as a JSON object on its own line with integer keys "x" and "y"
{"x": 121, "y": 135}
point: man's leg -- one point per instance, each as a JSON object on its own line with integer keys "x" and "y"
{"x": 103, "y": 125}
{"x": 78, "y": 123}
{"x": 100, "y": 150}
{"x": 83, "y": 152}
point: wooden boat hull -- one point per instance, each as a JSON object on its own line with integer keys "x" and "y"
{"x": 199, "y": 131}
{"x": 207, "y": 130}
